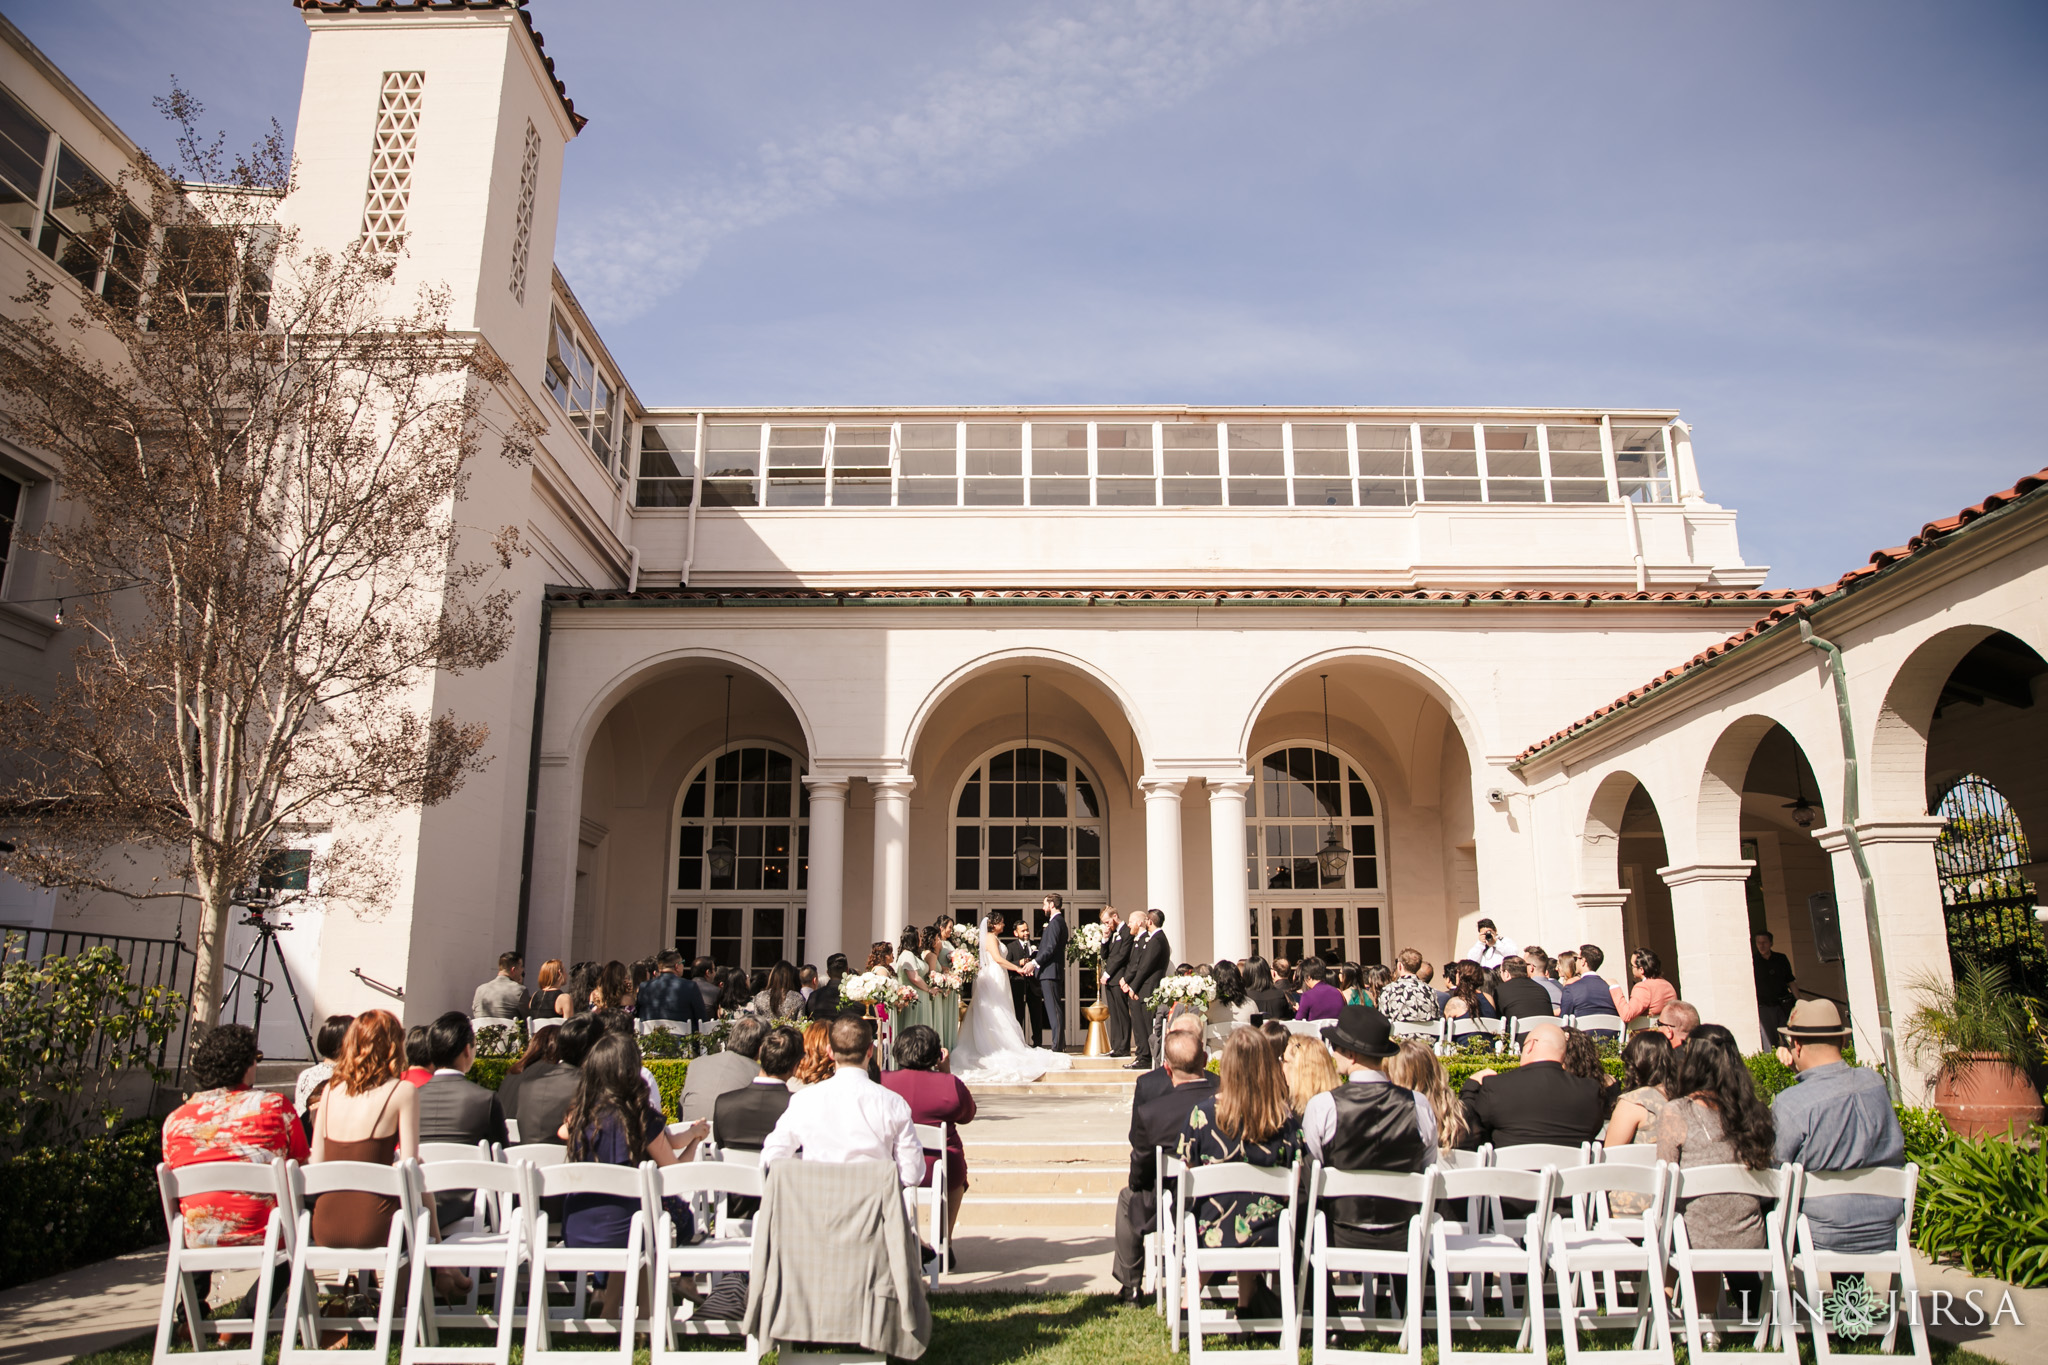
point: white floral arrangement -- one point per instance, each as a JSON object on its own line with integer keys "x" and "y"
{"x": 945, "y": 981}
{"x": 1085, "y": 947}
{"x": 1182, "y": 990}
{"x": 965, "y": 958}
{"x": 878, "y": 988}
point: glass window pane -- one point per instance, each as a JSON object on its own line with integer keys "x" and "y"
{"x": 1449, "y": 452}
{"x": 1193, "y": 492}
{"x": 1190, "y": 450}
{"x": 860, "y": 467}
{"x": 1575, "y": 452}
{"x": 1322, "y": 493}
{"x": 1640, "y": 464}
{"x": 1451, "y": 490}
{"x": 995, "y": 449}
{"x": 24, "y": 145}
{"x": 1126, "y": 493}
{"x": 970, "y": 798}
{"x": 1255, "y": 448}
{"x": 796, "y": 467}
{"x": 1258, "y": 492}
{"x": 995, "y": 492}
{"x": 1124, "y": 450}
{"x": 1514, "y": 490}
{"x": 1059, "y": 492}
{"x": 1059, "y": 448}
{"x": 928, "y": 493}
{"x": 1578, "y": 490}
{"x": 930, "y": 449}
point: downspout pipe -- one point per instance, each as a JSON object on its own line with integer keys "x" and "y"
{"x": 540, "y": 705}
{"x": 1851, "y": 813}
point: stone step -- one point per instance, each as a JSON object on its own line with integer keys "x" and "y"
{"x": 998, "y": 1152}
{"x": 999, "y": 1181}
{"x": 1088, "y": 1087}
{"x": 981, "y": 1212}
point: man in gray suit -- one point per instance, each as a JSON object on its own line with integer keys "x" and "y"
{"x": 713, "y": 1075}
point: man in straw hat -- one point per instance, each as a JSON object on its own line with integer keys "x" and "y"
{"x": 1368, "y": 1124}
{"x": 1837, "y": 1117}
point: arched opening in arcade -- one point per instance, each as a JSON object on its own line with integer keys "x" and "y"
{"x": 1627, "y": 906}
{"x": 694, "y": 830}
{"x": 1359, "y": 829}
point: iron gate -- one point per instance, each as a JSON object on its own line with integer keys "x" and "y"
{"x": 1988, "y": 902}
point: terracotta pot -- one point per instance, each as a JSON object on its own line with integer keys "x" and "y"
{"x": 1983, "y": 1095}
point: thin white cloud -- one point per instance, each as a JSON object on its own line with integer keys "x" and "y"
{"x": 1054, "y": 77}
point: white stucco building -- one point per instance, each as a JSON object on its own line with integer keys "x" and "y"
{"x": 837, "y": 613}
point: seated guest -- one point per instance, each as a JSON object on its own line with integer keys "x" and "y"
{"x": 1319, "y": 1000}
{"x": 1676, "y": 1021}
{"x": 1581, "y": 988}
{"x": 1468, "y": 998}
{"x": 228, "y": 1120}
{"x": 782, "y": 998}
{"x": 1377, "y": 979}
{"x": 643, "y": 972}
{"x": 742, "y": 1119}
{"x": 1407, "y": 999}
{"x": 737, "y": 998}
{"x": 701, "y": 971}
{"x": 610, "y": 1121}
{"x": 824, "y": 1001}
{"x": 504, "y": 995}
{"x": 547, "y": 1088}
{"x": 1264, "y": 993}
{"x": 1519, "y": 997}
{"x": 1231, "y": 1009}
{"x": 1278, "y": 1035}
{"x": 715, "y": 1073}
{"x": 669, "y": 994}
{"x": 1368, "y": 1124}
{"x": 419, "y": 1063}
{"x": 313, "y": 1080}
{"x": 807, "y": 981}
{"x": 1416, "y": 1067}
{"x": 541, "y": 1048}
{"x": 1582, "y": 1058}
{"x": 1651, "y": 992}
{"x": 816, "y": 1064}
{"x": 1351, "y": 981}
{"x": 1836, "y": 1117}
{"x": 1535, "y": 1102}
{"x": 849, "y": 1117}
{"x": 1540, "y": 966}
{"x": 1426, "y": 974}
{"x": 1159, "y": 1079}
{"x": 1156, "y": 1121}
{"x": 1247, "y": 1120}
{"x": 1646, "y": 1061}
{"x": 550, "y": 1000}
{"x": 1310, "y": 1071}
{"x": 935, "y": 1097}
{"x": 614, "y": 989}
{"x": 454, "y": 1108}
{"x": 1714, "y": 1118}
{"x": 620, "y": 1022}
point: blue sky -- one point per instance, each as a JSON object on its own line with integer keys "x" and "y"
{"x": 1816, "y": 228}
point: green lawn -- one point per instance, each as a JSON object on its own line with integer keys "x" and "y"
{"x": 1048, "y": 1329}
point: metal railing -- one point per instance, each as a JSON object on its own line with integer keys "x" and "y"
{"x": 150, "y": 962}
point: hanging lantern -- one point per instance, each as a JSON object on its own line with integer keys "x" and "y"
{"x": 1333, "y": 857}
{"x": 1804, "y": 812}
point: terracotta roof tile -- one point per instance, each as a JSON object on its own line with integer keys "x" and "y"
{"x": 1338, "y": 595}
{"x": 1932, "y": 534}
{"x": 418, "y": 6}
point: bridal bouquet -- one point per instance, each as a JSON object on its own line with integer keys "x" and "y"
{"x": 965, "y": 961}
{"x": 965, "y": 958}
{"x": 1182, "y": 990}
{"x": 945, "y": 981}
{"x": 1085, "y": 947}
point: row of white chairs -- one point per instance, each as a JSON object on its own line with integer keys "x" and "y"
{"x": 506, "y": 1237}
{"x": 1451, "y": 1035}
{"x": 1607, "y": 1268}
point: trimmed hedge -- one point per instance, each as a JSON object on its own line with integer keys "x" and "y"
{"x": 490, "y": 1072}
{"x": 62, "y": 1207}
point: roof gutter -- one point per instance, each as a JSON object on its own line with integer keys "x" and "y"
{"x": 714, "y": 599}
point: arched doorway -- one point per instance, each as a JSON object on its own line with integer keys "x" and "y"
{"x": 1986, "y": 897}
{"x": 1301, "y": 793}
{"x": 740, "y": 859}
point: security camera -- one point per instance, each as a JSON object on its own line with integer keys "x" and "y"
{"x": 1495, "y": 796}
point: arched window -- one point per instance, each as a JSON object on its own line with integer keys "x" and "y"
{"x": 1042, "y": 794}
{"x": 1987, "y": 901}
{"x": 742, "y": 858}
{"x": 1300, "y": 792}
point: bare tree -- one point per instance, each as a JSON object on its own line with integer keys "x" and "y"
{"x": 264, "y": 454}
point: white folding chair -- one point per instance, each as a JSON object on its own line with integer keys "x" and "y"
{"x": 1643, "y": 1154}
{"x": 728, "y": 1251}
{"x": 1409, "y": 1264}
{"x": 303, "y": 1318}
{"x": 1433, "y": 1031}
{"x": 1241, "y": 1178}
{"x": 183, "y": 1261}
{"x": 541, "y": 1021}
{"x": 932, "y": 1138}
{"x": 1520, "y": 1025}
{"x": 543, "y": 1320}
{"x": 1531, "y": 1156}
{"x": 499, "y": 1244}
{"x": 431, "y": 1152}
{"x": 1160, "y": 1262}
{"x": 1770, "y": 1320}
{"x": 1813, "y": 1261}
{"x": 1458, "y": 1250}
{"x": 1593, "y": 1241}
{"x": 646, "y": 1026}
{"x": 1599, "y": 1023}
{"x": 512, "y": 1131}
{"x": 537, "y": 1153}
{"x": 1456, "y": 1031}
{"x": 479, "y": 1025}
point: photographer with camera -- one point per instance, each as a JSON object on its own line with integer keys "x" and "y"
{"x": 1492, "y": 947}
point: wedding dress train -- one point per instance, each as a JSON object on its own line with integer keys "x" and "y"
{"x": 991, "y": 1049}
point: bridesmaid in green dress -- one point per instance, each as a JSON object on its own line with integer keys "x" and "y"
{"x": 910, "y": 971}
{"x": 938, "y": 957}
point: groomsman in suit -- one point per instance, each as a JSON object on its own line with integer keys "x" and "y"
{"x": 1116, "y": 955}
{"x": 1050, "y": 962}
{"x": 1151, "y": 959}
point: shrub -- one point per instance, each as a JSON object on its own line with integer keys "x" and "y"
{"x": 1927, "y": 1132}
{"x": 490, "y": 1072}
{"x": 70, "y": 1205}
{"x": 67, "y": 1026}
{"x": 1984, "y": 1202}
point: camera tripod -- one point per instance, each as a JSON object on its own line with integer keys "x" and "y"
{"x": 259, "y": 953}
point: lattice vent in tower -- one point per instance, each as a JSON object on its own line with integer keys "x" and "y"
{"x": 391, "y": 156}
{"x": 529, "y": 187}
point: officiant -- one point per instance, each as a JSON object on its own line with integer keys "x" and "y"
{"x": 1024, "y": 997}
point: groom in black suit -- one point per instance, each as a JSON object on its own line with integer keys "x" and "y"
{"x": 1151, "y": 959}
{"x": 1051, "y": 959}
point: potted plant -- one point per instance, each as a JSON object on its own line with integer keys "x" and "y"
{"x": 1977, "y": 1028}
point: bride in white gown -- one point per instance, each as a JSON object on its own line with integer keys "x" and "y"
{"x": 991, "y": 1049}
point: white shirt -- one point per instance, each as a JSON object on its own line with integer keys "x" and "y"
{"x": 1492, "y": 956}
{"x": 848, "y": 1118}
{"x": 1319, "y": 1120}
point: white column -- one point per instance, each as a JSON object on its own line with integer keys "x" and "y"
{"x": 825, "y": 896}
{"x": 1909, "y": 916}
{"x": 1600, "y": 924}
{"x": 892, "y": 855}
{"x": 1710, "y": 919}
{"x": 1232, "y": 933}
{"x": 1162, "y": 851}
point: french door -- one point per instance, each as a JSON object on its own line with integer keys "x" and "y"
{"x": 752, "y": 933}
{"x": 1332, "y": 928}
